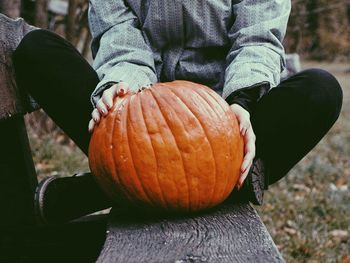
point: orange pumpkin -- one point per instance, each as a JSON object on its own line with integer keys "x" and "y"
{"x": 175, "y": 146}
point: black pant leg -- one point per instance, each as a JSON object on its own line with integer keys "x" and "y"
{"x": 54, "y": 73}
{"x": 293, "y": 117}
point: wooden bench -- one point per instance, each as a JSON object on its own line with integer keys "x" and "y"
{"x": 232, "y": 232}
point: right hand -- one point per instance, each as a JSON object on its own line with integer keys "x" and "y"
{"x": 105, "y": 103}
{"x": 246, "y": 129}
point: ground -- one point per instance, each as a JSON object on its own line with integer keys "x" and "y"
{"x": 307, "y": 213}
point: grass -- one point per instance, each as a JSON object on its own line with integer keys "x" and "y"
{"x": 307, "y": 213}
{"x": 54, "y": 158}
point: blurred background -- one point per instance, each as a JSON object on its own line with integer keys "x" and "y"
{"x": 308, "y": 212}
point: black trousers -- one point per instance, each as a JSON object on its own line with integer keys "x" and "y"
{"x": 288, "y": 122}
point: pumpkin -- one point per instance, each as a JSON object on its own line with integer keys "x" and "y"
{"x": 175, "y": 146}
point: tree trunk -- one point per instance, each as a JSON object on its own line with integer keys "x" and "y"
{"x": 41, "y": 19}
{"x": 71, "y": 21}
{"x": 11, "y": 8}
{"x": 313, "y": 23}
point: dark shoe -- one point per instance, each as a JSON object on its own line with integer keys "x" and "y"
{"x": 60, "y": 200}
{"x": 255, "y": 183}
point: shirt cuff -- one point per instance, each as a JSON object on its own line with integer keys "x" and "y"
{"x": 249, "y": 96}
{"x": 136, "y": 76}
{"x": 97, "y": 94}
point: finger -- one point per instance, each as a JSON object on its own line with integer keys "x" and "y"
{"x": 248, "y": 159}
{"x": 249, "y": 136}
{"x": 91, "y": 125}
{"x": 244, "y": 126}
{"x": 240, "y": 112}
{"x": 243, "y": 119}
{"x": 244, "y": 176}
{"x": 249, "y": 145}
{"x": 249, "y": 149}
{"x": 96, "y": 115}
{"x": 108, "y": 96}
{"x": 101, "y": 107}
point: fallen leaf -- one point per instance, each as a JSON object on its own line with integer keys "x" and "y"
{"x": 290, "y": 231}
{"x": 340, "y": 182}
{"x": 333, "y": 187}
{"x": 301, "y": 187}
{"x": 339, "y": 233}
{"x": 291, "y": 224}
{"x": 345, "y": 259}
{"x": 344, "y": 188}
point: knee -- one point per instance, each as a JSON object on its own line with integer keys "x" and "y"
{"x": 32, "y": 45}
{"x": 325, "y": 93}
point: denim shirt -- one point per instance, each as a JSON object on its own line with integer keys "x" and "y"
{"x": 224, "y": 44}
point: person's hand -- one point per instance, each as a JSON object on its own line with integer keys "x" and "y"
{"x": 106, "y": 102}
{"x": 247, "y": 132}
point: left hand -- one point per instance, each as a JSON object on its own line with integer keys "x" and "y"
{"x": 105, "y": 103}
{"x": 246, "y": 129}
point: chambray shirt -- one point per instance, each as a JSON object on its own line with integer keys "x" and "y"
{"x": 225, "y": 44}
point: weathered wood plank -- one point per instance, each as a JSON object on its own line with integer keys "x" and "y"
{"x": 230, "y": 233}
{"x": 12, "y": 102}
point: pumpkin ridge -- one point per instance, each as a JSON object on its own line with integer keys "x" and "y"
{"x": 111, "y": 143}
{"x": 170, "y": 130}
{"x": 105, "y": 144}
{"x": 218, "y": 101}
{"x": 205, "y": 132}
{"x": 118, "y": 138}
{"x": 131, "y": 191}
{"x": 218, "y": 115}
{"x": 231, "y": 116}
{"x": 131, "y": 155}
{"x": 219, "y": 191}
{"x": 196, "y": 196}
{"x": 164, "y": 201}
{"x": 97, "y": 158}
{"x": 221, "y": 117}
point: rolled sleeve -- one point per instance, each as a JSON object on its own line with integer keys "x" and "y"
{"x": 119, "y": 49}
{"x": 256, "y": 54}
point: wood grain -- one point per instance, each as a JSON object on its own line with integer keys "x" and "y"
{"x": 230, "y": 233}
